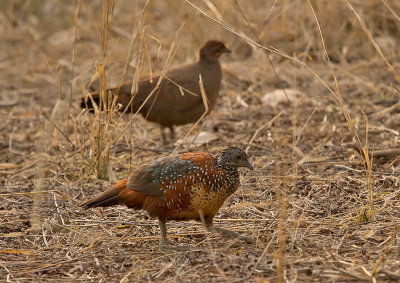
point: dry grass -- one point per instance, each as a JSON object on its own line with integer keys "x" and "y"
{"x": 323, "y": 202}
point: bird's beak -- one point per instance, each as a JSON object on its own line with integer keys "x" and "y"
{"x": 250, "y": 166}
{"x": 227, "y": 50}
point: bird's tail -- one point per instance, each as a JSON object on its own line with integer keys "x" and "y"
{"x": 87, "y": 102}
{"x": 107, "y": 198}
{"x": 92, "y": 101}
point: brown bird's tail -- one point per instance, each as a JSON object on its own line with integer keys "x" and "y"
{"x": 109, "y": 197}
{"x": 123, "y": 99}
{"x": 87, "y": 102}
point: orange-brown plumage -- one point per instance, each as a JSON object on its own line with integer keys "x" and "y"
{"x": 181, "y": 187}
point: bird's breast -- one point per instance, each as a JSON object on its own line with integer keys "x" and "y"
{"x": 201, "y": 198}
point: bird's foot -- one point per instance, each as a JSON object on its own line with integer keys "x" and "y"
{"x": 172, "y": 249}
{"x": 230, "y": 234}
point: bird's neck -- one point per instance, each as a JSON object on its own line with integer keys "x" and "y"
{"x": 231, "y": 171}
{"x": 204, "y": 60}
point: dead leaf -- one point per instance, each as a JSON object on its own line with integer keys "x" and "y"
{"x": 201, "y": 138}
{"x": 277, "y": 96}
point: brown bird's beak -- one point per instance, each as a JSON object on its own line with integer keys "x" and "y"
{"x": 227, "y": 50}
{"x": 250, "y": 166}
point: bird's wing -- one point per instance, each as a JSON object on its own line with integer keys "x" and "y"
{"x": 179, "y": 90}
{"x": 168, "y": 174}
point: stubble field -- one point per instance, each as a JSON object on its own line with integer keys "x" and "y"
{"x": 310, "y": 91}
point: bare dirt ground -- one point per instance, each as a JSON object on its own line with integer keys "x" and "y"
{"x": 340, "y": 208}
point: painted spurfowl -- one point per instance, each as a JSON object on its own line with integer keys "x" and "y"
{"x": 181, "y": 187}
{"x": 178, "y": 99}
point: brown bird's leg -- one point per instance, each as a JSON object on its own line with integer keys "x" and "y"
{"x": 225, "y": 232}
{"x": 163, "y": 136}
{"x": 172, "y": 129}
{"x": 163, "y": 229}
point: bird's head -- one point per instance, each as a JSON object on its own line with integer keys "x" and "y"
{"x": 234, "y": 156}
{"x": 213, "y": 49}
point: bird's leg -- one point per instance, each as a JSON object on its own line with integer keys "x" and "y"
{"x": 231, "y": 234}
{"x": 163, "y": 136}
{"x": 163, "y": 229}
{"x": 171, "y": 128}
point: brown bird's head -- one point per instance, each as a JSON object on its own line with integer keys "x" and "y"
{"x": 233, "y": 156}
{"x": 212, "y": 50}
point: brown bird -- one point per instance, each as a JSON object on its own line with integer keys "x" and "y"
{"x": 181, "y": 187}
{"x": 178, "y": 99}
